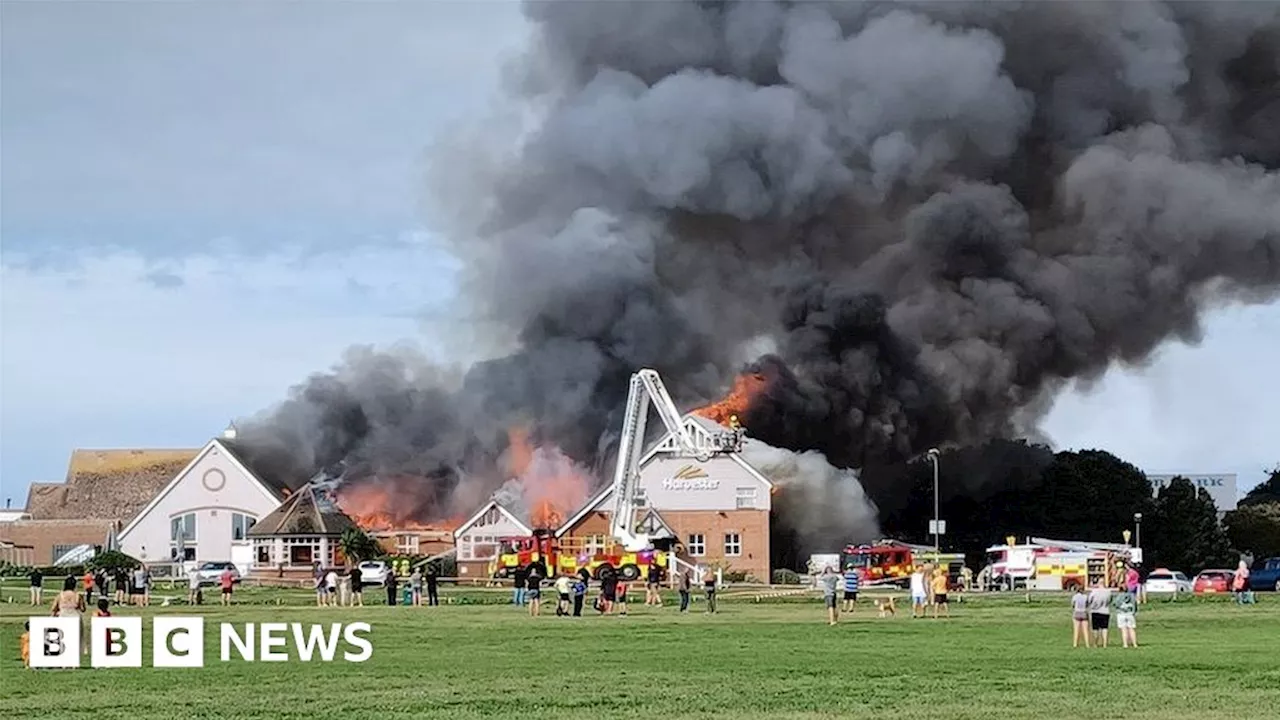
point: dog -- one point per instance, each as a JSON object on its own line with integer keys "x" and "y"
{"x": 886, "y": 606}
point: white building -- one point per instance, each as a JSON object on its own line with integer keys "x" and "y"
{"x": 205, "y": 511}
{"x": 1220, "y": 486}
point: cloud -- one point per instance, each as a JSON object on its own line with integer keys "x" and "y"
{"x": 97, "y": 352}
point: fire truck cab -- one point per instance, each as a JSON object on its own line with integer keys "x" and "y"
{"x": 892, "y": 562}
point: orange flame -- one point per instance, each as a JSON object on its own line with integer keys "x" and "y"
{"x": 552, "y": 484}
{"x": 746, "y": 388}
{"x": 377, "y": 505}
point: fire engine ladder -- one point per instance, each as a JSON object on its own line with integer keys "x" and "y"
{"x": 646, "y": 388}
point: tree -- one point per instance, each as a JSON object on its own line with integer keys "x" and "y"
{"x": 1184, "y": 533}
{"x": 1255, "y": 529}
{"x": 1267, "y": 492}
{"x": 358, "y": 545}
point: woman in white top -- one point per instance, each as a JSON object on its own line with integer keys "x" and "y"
{"x": 70, "y": 604}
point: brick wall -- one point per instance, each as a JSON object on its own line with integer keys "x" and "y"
{"x": 752, "y": 527}
{"x": 43, "y": 535}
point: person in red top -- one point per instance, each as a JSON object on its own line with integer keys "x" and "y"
{"x": 228, "y": 582}
{"x": 88, "y": 588}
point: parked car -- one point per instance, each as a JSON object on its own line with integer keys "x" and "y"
{"x": 373, "y": 572}
{"x": 1213, "y": 581}
{"x": 1265, "y": 575}
{"x": 1168, "y": 581}
{"x": 210, "y": 573}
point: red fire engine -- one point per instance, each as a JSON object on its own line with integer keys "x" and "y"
{"x": 892, "y": 562}
{"x": 544, "y": 552}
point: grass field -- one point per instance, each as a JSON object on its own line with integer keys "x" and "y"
{"x": 998, "y": 657}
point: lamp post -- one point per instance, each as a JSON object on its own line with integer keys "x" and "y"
{"x": 937, "y": 545}
{"x": 1137, "y": 530}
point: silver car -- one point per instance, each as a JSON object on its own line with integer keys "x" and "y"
{"x": 373, "y": 572}
{"x": 210, "y": 573}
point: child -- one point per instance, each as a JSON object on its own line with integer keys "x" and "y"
{"x": 25, "y": 642}
{"x": 1127, "y": 619}
{"x": 622, "y": 598}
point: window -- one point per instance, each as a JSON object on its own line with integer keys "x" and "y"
{"x": 697, "y": 545}
{"x": 182, "y": 533}
{"x": 60, "y": 550}
{"x": 747, "y": 497}
{"x": 478, "y": 547}
{"x": 263, "y": 551}
{"x": 407, "y": 544}
{"x": 732, "y": 544}
{"x": 240, "y": 525}
{"x": 304, "y": 551}
{"x": 642, "y": 498}
{"x": 594, "y": 544}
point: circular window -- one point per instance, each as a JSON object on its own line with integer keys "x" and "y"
{"x": 214, "y": 480}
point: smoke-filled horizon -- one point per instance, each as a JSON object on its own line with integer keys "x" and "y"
{"x": 919, "y": 221}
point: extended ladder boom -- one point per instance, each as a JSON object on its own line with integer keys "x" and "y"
{"x": 647, "y": 388}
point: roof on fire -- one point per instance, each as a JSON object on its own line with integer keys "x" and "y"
{"x": 114, "y": 484}
{"x": 309, "y": 511}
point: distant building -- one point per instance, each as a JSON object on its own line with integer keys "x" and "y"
{"x": 303, "y": 530}
{"x": 1220, "y": 486}
{"x": 103, "y": 490}
{"x": 478, "y": 538}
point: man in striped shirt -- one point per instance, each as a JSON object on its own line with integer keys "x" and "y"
{"x": 851, "y": 580}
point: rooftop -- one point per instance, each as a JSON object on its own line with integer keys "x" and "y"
{"x": 114, "y": 484}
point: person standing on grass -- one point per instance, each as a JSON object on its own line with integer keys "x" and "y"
{"x": 709, "y": 586}
{"x": 653, "y": 588}
{"x": 88, "y": 588}
{"x": 317, "y": 574}
{"x": 1240, "y": 582}
{"x": 37, "y": 587}
{"x": 122, "y": 586}
{"x": 70, "y": 604}
{"x": 851, "y": 582}
{"x": 415, "y": 587}
{"x": 579, "y": 595}
{"x": 331, "y": 588}
{"x": 940, "y": 593}
{"x": 686, "y": 584}
{"x": 1132, "y": 581}
{"x": 357, "y": 586}
{"x": 608, "y": 589}
{"x": 1127, "y": 619}
{"x": 392, "y": 584}
{"x": 1079, "y": 617}
{"x": 533, "y": 592}
{"x": 830, "y": 582}
{"x": 563, "y": 589}
{"x": 433, "y": 587}
{"x": 193, "y": 587}
{"x": 519, "y": 584}
{"x": 917, "y": 593}
{"x": 1100, "y": 612}
{"x": 623, "y": 587}
{"x": 228, "y": 583}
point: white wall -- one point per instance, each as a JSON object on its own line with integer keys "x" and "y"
{"x": 489, "y": 528}
{"x": 214, "y": 488}
{"x": 717, "y": 489}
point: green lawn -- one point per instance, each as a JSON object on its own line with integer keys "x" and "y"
{"x": 997, "y": 657}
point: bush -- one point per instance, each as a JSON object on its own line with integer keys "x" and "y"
{"x": 113, "y": 560}
{"x": 783, "y": 576}
{"x": 735, "y": 576}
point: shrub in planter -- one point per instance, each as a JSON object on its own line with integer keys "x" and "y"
{"x": 783, "y": 576}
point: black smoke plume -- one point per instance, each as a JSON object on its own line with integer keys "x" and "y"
{"x": 929, "y": 218}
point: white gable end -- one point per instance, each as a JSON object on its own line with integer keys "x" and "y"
{"x": 209, "y": 492}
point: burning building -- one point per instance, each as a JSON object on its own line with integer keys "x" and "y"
{"x": 918, "y": 221}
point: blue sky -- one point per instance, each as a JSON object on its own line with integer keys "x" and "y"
{"x": 201, "y": 203}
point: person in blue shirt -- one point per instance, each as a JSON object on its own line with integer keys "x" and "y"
{"x": 851, "y": 581}
{"x": 579, "y": 594}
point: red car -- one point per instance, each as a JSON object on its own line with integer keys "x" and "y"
{"x": 1213, "y": 581}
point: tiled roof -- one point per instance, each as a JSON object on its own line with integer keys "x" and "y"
{"x": 113, "y": 484}
{"x": 308, "y": 511}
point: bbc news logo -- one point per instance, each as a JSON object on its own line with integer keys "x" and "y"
{"x": 178, "y": 642}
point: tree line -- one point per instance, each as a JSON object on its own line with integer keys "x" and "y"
{"x": 1019, "y": 488}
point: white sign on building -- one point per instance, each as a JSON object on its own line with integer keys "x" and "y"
{"x": 1221, "y": 486}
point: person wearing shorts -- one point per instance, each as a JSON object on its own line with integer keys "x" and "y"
{"x": 829, "y": 581}
{"x": 1079, "y": 618}
{"x": 227, "y": 580}
{"x": 1127, "y": 618}
{"x": 1099, "y": 603}
{"x": 533, "y": 593}
{"x": 851, "y": 582}
{"x": 939, "y": 583}
{"x": 609, "y": 590}
{"x": 917, "y": 593}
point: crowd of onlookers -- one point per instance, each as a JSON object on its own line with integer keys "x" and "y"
{"x": 570, "y": 590}
{"x": 131, "y": 587}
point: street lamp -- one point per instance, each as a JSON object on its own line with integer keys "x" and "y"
{"x": 1137, "y": 530}
{"x": 937, "y": 545}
